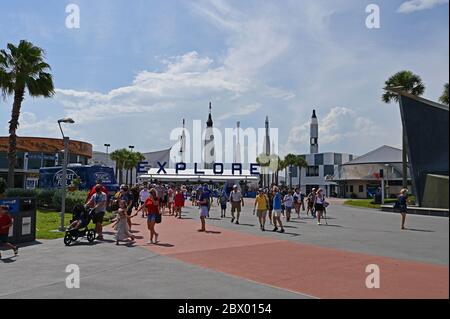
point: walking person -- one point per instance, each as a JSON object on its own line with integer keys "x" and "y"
{"x": 237, "y": 201}
{"x": 126, "y": 196}
{"x": 143, "y": 195}
{"x": 269, "y": 194}
{"x": 310, "y": 202}
{"x": 261, "y": 206}
{"x": 277, "y": 200}
{"x": 98, "y": 202}
{"x": 6, "y": 222}
{"x": 121, "y": 226}
{"x": 288, "y": 201}
{"x": 402, "y": 205}
{"x": 153, "y": 214}
{"x": 222, "y": 201}
{"x": 297, "y": 201}
{"x": 203, "y": 202}
{"x": 178, "y": 203}
{"x": 319, "y": 204}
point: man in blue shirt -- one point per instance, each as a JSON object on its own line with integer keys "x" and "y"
{"x": 277, "y": 200}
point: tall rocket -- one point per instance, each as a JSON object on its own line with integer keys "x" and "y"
{"x": 314, "y": 134}
{"x": 209, "y": 158}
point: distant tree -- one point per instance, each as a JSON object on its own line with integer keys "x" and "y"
{"x": 22, "y": 69}
{"x": 444, "y": 97}
{"x": 411, "y": 83}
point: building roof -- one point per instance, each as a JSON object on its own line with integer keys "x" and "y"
{"x": 383, "y": 154}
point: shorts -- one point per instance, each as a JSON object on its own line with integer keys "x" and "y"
{"x": 3, "y": 238}
{"x": 98, "y": 217}
{"x": 319, "y": 207}
{"x": 261, "y": 213}
{"x": 223, "y": 206}
{"x": 288, "y": 209}
{"x": 151, "y": 217}
{"x": 204, "y": 211}
{"x": 235, "y": 207}
{"x": 277, "y": 212}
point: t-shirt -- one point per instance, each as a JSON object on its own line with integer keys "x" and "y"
{"x": 144, "y": 194}
{"x": 288, "y": 200}
{"x": 152, "y": 206}
{"x": 100, "y": 200}
{"x": 261, "y": 202}
{"x": 204, "y": 196}
{"x": 179, "y": 199}
{"x": 277, "y": 201}
{"x": 296, "y": 197}
{"x": 5, "y": 220}
{"x": 93, "y": 191}
{"x": 235, "y": 196}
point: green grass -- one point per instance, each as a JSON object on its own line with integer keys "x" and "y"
{"x": 48, "y": 221}
{"x": 367, "y": 203}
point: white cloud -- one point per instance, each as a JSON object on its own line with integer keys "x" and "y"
{"x": 418, "y": 5}
{"x": 241, "y": 111}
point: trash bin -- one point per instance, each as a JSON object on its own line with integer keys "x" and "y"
{"x": 23, "y": 212}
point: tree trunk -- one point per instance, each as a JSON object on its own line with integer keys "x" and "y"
{"x": 13, "y": 124}
{"x": 117, "y": 172}
{"x": 404, "y": 160}
{"x": 126, "y": 175}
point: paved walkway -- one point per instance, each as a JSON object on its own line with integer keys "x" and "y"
{"x": 239, "y": 261}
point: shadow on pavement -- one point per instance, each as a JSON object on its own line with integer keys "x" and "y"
{"x": 7, "y": 260}
{"x": 421, "y": 230}
{"x": 32, "y": 243}
{"x": 212, "y": 232}
{"x": 164, "y": 245}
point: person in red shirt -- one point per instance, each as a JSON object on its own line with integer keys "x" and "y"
{"x": 93, "y": 190}
{"x": 153, "y": 210}
{"x": 179, "y": 202}
{"x": 5, "y": 223}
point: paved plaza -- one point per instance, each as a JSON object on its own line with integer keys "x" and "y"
{"x": 240, "y": 261}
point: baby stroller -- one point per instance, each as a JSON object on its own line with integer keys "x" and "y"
{"x": 84, "y": 215}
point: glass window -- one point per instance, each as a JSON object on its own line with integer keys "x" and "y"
{"x": 3, "y": 160}
{"x": 350, "y": 158}
{"x": 328, "y": 170}
{"x": 73, "y": 158}
{"x": 20, "y": 156}
{"x": 34, "y": 160}
{"x": 312, "y": 171}
{"x": 83, "y": 160}
{"x": 351, "y": 188}
{"x": 337, "y": 159}
{"x": 49, "y": 160}
{"x": 361, "y": 188}
{"x": 318, "y": 159}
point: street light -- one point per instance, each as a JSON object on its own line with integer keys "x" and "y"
{"x": 67, "y": 120}
{"x": 131, "y": 147}
{"x": 107, "y": 147}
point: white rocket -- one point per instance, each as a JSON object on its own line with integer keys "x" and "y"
{"x": 314, "y": 134}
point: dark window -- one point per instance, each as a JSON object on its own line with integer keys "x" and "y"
{"x": 361, "y": 188}
{"x": 318, "y": 159}
{"x": 83, "y": 160}
{"x": 350, "y": 158}
{"x": 337, "y": 159}
{"x": 34, "y": 160}
{"x": 49, "y": 160}
{"x": 3, "y": 160}
{"x": 20, "y": 156}
{"x": 328, "y": 170}
{"x": 351, "y": 188}
{"x": 312, "y": 171}
{"x": 73, "y": 158}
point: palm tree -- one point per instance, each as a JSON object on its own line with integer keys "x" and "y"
{"x": 119, "y": 156}
{"x": 133, "y": 160}
{"x": 22, "y": 69}
{"x": 444, "y": 97}
{"x": 411, "y": 83}
{"x": 296, "y": 161}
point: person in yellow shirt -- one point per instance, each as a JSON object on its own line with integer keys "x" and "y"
{"x": 261, "y": 207}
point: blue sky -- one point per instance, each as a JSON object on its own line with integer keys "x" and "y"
{"x": 134, "y": 69}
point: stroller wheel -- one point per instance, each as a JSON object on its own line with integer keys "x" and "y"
{"x": 74, "y": 237}
{"x": 67, "y": 239}
{"x": 90, "y": 235}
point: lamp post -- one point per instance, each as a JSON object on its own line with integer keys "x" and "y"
{"x": 64, "y": 170}
{"x": 107, "y": 148}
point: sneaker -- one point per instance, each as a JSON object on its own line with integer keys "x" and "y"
{"x": 237, "y": 222}
{"x": 16, "y": 251}
{"x": 232, "y": 219}
{"x": 263, "y": 229}
{"x": 275, "y": 229}
{"x": 319, "y": 224}
{"x": 282, "y": 231}
{"x": 149, "y": 242}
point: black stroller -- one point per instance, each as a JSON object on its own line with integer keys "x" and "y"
{"x": 85, "y": 216}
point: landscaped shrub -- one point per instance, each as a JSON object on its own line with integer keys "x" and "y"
{"x": 20, "y": 192}
{"x": 2, "y": 186}
{"x": 72, "y": 199}
{"x": 45, "y": 198}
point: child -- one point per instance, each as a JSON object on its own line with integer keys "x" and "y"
{"x": 288, "y": 201}
{"x": 80, "y": 218}
{"x": 5, "y": 223}
{"x": 222, "y": 200}
{"x": 121, "y": 226}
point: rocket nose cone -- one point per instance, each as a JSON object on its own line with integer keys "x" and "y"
{"x": 314, "y": 114}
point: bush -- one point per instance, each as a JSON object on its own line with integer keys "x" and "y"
{"x": 2, "y": 185}
{"x": 21, "y": 192}
{"x": 45, "y": 198}
{"x": 72, "y": 199}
